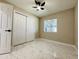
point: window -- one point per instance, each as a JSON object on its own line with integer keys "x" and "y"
{"x": 50, "y": 25}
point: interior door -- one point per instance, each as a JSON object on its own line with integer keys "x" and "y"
{"x": 5, "y": 27}
{"x": 19, "y": 28}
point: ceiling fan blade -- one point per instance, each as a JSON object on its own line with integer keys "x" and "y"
{"x": 34, "y": 7}
{"x": 42, "y": 8}
{"x": 43, "y": 4}
{"x": 36, "y": 2}
{"x": 39, "y": 3}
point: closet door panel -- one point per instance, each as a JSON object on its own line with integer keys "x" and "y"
{"x": 19, "y": 29}
{"x": 30, "y": 29}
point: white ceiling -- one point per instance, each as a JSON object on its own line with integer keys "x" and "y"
{"x": 52, "y": 6}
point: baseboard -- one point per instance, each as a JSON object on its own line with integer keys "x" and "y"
{"x": 5, "y": 53}
{"x": 23, "y": 43}
{"x": 60, "y": 43}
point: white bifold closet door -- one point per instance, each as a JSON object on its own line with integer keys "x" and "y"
{"x": 19, "y": 28}
{"x": 5, "y": 27}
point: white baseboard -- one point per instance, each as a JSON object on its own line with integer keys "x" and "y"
{"x": 61, "y": 43}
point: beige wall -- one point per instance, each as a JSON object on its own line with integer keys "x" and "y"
{"x": 76, "y": 25}
{"x": 65, "y": 27}
{"x": 1, "y": 0}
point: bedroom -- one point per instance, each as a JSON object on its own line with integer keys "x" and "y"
{"x": 29, "y": 30}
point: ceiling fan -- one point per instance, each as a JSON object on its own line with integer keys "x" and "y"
{"x": 39, "y": 5}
